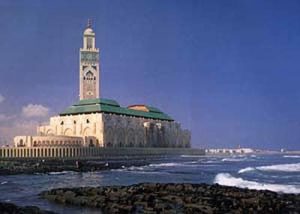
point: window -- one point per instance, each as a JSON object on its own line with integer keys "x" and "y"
{"x": 89, "y": 43}
{"x": 62, "y": 123}
{"x": 91, "y": 143}
{"x": 87, "y": 121}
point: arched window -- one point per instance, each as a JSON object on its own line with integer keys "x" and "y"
{"x": 87, "y": 121}
{"x": 91, "y": 143}
{"x": 62, "y": 123}
{"x": 21, "y": 143}
{"x": 89, "y": 75}
{"x": 89, "y": 43}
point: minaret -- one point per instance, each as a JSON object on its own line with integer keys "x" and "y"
{"x": 89, "y": 75}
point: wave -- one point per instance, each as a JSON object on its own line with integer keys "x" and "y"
{"x": 137, "y": 170}
{"x": 165, "y": 164}
{"x": 60, "y": 173}
{"x": 247, "y": 169}
{"x": 291, "y": 156}
{"x": 210, "y": 161}
{"x": 234, "y": 159}
{"x": 192, "y": 156}
{"x": 4, "y": 182}
{"x": 294, "y": 167}
{"x": 228, "y": 180}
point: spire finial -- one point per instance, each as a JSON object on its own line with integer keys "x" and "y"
{"x": 89, "y": 23}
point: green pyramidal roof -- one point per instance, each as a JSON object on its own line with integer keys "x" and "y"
{"x": 97, "y": 101}
{"x": 111, "y": 106}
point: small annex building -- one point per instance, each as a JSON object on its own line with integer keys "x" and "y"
{"x": 99, "y": 122}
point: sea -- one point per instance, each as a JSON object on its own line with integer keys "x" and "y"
{"x": 279, "y": 173}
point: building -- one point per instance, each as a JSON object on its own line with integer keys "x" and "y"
{"x": 230, "y": 151}
{"x": 99, "y": 122}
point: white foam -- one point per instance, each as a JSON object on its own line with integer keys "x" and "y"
{"x": 291, "y": 156}
{"x": 294, "y": 167}
{"x": 137, "y": 168}
{"x": 192, "y": 156}
{"x": 234, "y": 159}
{"x": 4, "y": 182}
{"x": 60, "y": 173}
{"x": 228, "y": 180}
{"x": 247, "y": 169}
{"x": 165, "y": 164}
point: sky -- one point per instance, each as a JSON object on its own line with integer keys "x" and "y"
{"x": 226, "y": 70}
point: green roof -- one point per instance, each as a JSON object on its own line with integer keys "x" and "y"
{"x": 97, "y": 101}
{"x": 153, "y": 109}
{"x": 111, "y": 106}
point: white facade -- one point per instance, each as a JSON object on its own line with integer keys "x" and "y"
{"x": 87, "y": 126}
{"x": 110, "y": 130}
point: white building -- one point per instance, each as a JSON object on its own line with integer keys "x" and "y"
{"x": 98, "y": 122}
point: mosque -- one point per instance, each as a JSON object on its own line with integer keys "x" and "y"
{"x": 99, "y": 122}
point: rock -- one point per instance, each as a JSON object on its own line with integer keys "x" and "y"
{"x": 9, "y": 208}
{"x": 176, "y": 198}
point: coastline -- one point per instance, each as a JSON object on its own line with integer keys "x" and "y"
{"x": 51, "y": 166}
{"x": 170, "y": 197}
{"x": 210, "y": 196}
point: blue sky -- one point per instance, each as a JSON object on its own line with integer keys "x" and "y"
{"x": 227, "y": 70}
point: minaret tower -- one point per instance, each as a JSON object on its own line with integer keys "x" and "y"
{"x": 89, "y": 71}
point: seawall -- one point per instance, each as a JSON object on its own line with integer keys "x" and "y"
{"x": 90, "y": 152}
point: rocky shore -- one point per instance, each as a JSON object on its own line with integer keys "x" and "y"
{"x": 175, "y": 198}
{"x": 46, "y": 166}
{"x": 9, "y": 208}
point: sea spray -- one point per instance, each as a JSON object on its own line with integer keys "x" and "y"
{"x": 227, "y": 179}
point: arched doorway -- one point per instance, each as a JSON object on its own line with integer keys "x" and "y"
{"x": 68, "y": 132}
{"x": 91, "y": 143}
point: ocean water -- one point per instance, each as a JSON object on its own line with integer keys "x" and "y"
{"x": 280, "y": 173}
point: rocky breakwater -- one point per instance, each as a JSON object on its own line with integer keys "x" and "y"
{"x": 46, "y": 166}
{"x": 176, "y": 198}
{"x": 9, "y": 208}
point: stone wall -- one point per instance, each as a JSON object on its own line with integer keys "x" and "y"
{"x": 47, "y": 141}
{"x": 88, "y": 152}
{"x": 125, "y": 131}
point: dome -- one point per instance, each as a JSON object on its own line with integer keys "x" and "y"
{"x": 88, "y": 31}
